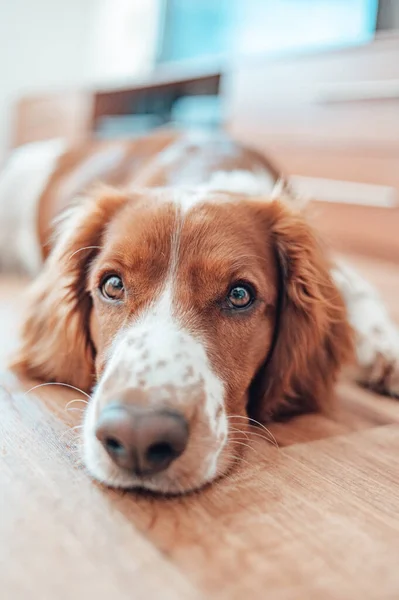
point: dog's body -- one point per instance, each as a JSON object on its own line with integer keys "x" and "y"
{"x": 199, "y": 291}
{"x": 42, "y": 179}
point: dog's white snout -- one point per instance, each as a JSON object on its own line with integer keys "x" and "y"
{"x": 155, "y": 364}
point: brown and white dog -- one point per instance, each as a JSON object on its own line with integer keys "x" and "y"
{"x": 188, "y": 294}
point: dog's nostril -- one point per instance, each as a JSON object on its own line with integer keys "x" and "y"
{"x": 113, "y": 446}
{"x": 159, "y": 453}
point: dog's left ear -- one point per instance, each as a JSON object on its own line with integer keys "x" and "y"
{"x": 313, "y": 338}
{"x": 55, "y": 344}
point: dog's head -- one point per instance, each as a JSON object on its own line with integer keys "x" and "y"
{"x": 184, "y": 311}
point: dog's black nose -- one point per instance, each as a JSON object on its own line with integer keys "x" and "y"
{"x": 142, "y": 440}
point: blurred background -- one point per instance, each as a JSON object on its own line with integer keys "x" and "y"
{"x": 314, "y": 83}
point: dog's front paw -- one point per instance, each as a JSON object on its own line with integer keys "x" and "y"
{"x": 378, "y": 357}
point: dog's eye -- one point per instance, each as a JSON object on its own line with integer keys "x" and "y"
{"x": 112, "y": 287}
{"x": 240, "y": 296}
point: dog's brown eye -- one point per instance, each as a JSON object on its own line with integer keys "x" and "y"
{"x": 112, "y": 287}
{"x": 240, "y": 296}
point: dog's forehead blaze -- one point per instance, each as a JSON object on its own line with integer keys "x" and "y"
{"x": 217, "y": 232}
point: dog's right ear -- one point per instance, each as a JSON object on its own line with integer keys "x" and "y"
{"x": 313, "y": 339}
{"x": 56, "y": 344}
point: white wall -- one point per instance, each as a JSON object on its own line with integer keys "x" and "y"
{"x": 46, "y": 44}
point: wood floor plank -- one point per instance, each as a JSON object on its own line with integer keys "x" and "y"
{"x": 60, "y": 535}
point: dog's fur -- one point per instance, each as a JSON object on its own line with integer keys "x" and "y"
{"x": 196, "y": 217}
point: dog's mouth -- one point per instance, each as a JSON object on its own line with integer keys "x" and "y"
{"x": 182, "y": 479}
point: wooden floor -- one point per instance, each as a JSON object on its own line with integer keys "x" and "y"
{"x": 316, "y": 519}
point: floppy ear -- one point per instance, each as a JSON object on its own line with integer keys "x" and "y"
{"x": 312, "y": 337}
{"x": 55, "y": 343}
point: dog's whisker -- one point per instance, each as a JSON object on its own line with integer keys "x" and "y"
{"x": 74, "y": 408}
{"x": 264, "y": 437}
{"x": 237, "y": 436}
{"x": 72, "y": 387}
{"x": 238, "y": 417}
{"x": 250, "y": 433}
{"x": 85, "y": 248}
{"x": 235, "y": 430}
{"x": 243, "y": 444}
{"x": 266, "y": 430}
{"x": 70, "y": 431}
{"x": 234, "y": 438}
{"x": 258, "y": 423}
{"x": 76, "y": 400}
{"x": 69, "y": 408}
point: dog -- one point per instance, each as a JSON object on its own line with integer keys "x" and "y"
{"x": 186, "y": 294}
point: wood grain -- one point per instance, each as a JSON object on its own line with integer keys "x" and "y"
{"x": 317, "y": 518}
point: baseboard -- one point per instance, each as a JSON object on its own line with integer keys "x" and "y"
{"x": 346, "y": 192}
